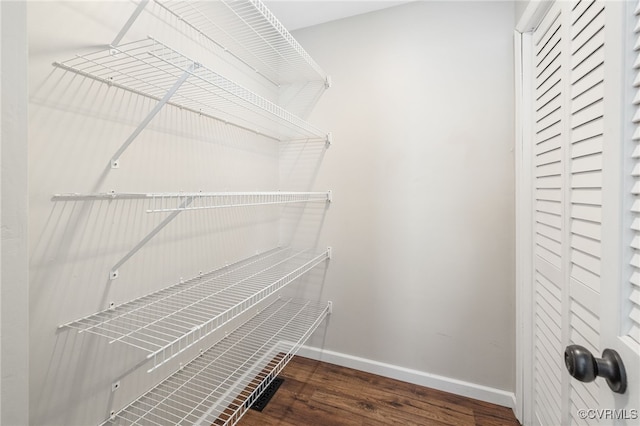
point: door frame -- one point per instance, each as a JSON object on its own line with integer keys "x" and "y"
{"x": 531, "y": 18}
{"x": 616, "y": 200}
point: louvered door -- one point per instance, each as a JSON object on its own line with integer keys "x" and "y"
{"x": 549, "y": 184}
{"x": 579, "y": 284}
{"x": 585, "y": 143}
{"x": 634, "y": 153}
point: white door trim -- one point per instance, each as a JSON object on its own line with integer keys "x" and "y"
{"x": 529, "y": 21}
{"x": 524, "y": 232}
{"x": 532, "y": 16}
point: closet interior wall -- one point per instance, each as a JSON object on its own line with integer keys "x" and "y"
{"x": 14, "y": 284}
{"x": 423, "y": 235}
{"x": 76, "y": 124}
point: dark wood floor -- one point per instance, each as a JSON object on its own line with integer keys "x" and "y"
{"x": 317, "y": 393}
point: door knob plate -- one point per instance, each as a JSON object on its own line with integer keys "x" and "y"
{"x": 617, "y": 381}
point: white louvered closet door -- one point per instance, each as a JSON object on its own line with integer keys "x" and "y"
{"x": 585, "y": 144}
{"x": 549, "y": 183}
{"x": 580, "y": 281}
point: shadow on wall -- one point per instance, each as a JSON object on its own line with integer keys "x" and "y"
{"x": 76, "y": 125}
{"x": 300, "y": 163}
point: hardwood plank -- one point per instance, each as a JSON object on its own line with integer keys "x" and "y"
{"x": 362, "y": 406}
{"x": 288, "y": 407}
{"x": 318, "y": 393}
{"x": 408, "y": 396}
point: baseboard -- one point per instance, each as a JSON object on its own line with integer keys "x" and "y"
{"x": 434, "y": 381}
{"x": 514, "y": 407}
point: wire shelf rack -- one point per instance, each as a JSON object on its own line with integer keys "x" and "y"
{"x": 219, "y": 386}
{"x": 177, "y": 202}
{"x": 252, "y": 34}
{"x": 166, "y": 322}
{"x": 150, "y": 68}
{"x": 181, "y": 201}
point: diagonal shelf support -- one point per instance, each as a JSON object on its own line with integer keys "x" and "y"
{"x": 116, "y": 41}
{"x": 113, "y": 274}
{"x": 115, "y": 160}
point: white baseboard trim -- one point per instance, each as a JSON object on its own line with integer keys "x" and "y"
{"x": 434, "y": 381}
{"x": 514, "y": 407}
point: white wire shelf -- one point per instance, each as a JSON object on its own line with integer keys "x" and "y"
{"x": 180, "y": 201}
{"x": 166, "y": 322}
{"x": 150, "y": 68}
{"x": 252, "y": 34}
{"x": 219, "y": 386}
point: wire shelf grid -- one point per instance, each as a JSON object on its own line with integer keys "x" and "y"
{"x": 252, "y": 34}
{"x": 180, "y": 201}
{"x": 177, "y": 202}
{"x": 167, "y": 322}
{"x": 218, "y": 386}
{"x": 150, "y": 68}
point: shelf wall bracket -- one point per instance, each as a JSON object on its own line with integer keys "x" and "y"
{"x": 328, "y": 139}
{"x": 113, "y": 274}
{"x": 116, "y": 41}
{"x": 115, "y": 160}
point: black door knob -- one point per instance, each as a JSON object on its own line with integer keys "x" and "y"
{"x": 583, "y": 366}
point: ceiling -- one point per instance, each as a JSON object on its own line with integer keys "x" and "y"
{"x": 296, "y": 14}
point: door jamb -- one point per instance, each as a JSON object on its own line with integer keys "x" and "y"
{"x": 531, "y": 18}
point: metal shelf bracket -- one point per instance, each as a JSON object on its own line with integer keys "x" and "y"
{"x": 115, "y": 160}
{"x": 113, "y": 274}
{"x": 116, "y": 41}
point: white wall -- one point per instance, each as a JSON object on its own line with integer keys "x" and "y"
{"x": 422, "y": 169}
{"x": 14, "y": 290}
{"x": 520, "y": 7}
